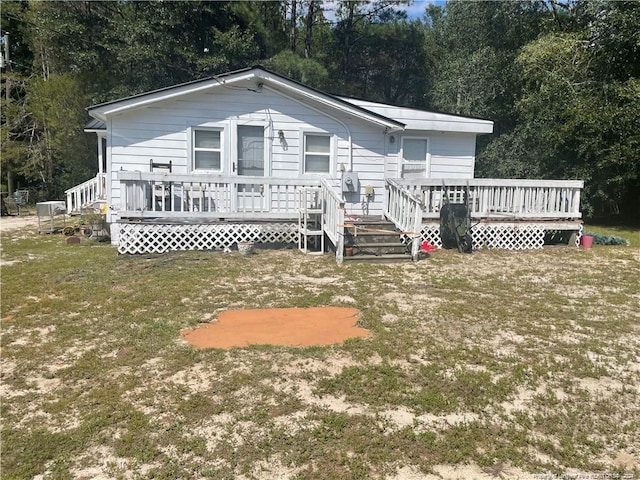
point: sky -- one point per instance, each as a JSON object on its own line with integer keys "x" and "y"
{"x": 415, "y": 11}
{"x": 417, "y": 8}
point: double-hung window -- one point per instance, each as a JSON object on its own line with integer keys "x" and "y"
{"x": 317, "y": 153}
{"x": 415, "y": 154}
{"x": 207, "y": 149}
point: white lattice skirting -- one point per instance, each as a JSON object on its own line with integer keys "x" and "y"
{"x": 149, "y": 238}
{"x": 524, "y": 236}
{"x": 136, "y": 238}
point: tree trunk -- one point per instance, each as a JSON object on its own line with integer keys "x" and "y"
{"x": 346, "y": 51}
{"x": 10, "y": 186}
{"x": 7, "y": 89}
{"x": 292, "y": 34}
{"x": 309, "y": 29}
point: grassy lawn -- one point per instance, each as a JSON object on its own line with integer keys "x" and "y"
{"x": 495, "y": 364}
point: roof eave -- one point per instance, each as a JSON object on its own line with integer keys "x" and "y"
{"x": 103, "y": 111}
{"x": 444, "y": 122}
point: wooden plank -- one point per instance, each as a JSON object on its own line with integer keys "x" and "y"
{"x": 376, "y": 230}
{"x": 490, "y": 182}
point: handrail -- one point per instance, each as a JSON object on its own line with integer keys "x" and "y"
{"x": 127, "y": 176}
{"x": 511, "y": 182}
{"x": 86, "y": 194}
{"x": 333, "y": 224}
{"x": 153, "y": 194}
{"x": 396, "y": 184}
{"x": 405, "y": 210}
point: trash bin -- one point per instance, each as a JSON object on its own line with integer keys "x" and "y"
{"x": 586, "y": 241}
{"x": 455, "y": 227}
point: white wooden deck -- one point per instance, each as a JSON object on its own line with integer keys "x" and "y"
{"x": 508, "y": 213}
{"x": 506, "y": 199}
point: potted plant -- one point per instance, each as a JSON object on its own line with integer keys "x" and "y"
{"x": 245, "y": 248}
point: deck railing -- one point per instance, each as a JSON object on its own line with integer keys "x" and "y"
{"x": 333, "y": 224}
{"x": 493, "y": 198}
{"x": 404, "y": 209}
{"x": 86, "y": 194}
{"x": 146, "y": 194}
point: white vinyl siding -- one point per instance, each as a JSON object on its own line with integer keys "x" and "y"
{"x": 207, "y": 150}
{"x": 452, "y": 156}
{"x": 165, "y": 132}
{"x": 317, "y": 153}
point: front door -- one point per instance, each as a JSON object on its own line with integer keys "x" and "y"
{"x": 250, "y": 162}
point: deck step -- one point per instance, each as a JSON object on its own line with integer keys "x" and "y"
{"x": 385, "y": 258}
{"x": 370, "y": 233}
{"x": 379, "y": 248}
{"x": 364, "y": 245}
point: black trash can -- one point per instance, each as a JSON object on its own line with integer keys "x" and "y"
{"x": 455, "y": 227}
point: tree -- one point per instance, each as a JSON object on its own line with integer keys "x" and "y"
{"x": 60, "y": 154}
{"x": 474, "y": 45}
{"x": 305, "y": 70}
{"x": 391, "y": 65}
{"x": 559, "y": 77}
{"x": 578, "y": 120}
{"x": 79, "y": 53}
{"x": 353, "y": 19}
{"x": 311, "y": 18}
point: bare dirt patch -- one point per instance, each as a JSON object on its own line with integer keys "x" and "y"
{"x": 17, "y": 222}
{"x": 278, "y": 326}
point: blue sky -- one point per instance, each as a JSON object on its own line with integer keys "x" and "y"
{"x": 417, "y": 8}
{"x": 414, "y": 11}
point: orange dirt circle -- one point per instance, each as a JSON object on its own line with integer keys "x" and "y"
{"x": 278, "y": 326}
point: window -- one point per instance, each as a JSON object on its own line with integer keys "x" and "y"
{"x": 317, "y": 153}
{"x": 207, "y": 150}
{"x": 414, "y": 150}
{"x": 414, "y": 157}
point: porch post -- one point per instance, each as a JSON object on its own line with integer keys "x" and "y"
{"x": 417, "y": 239}
{"x": 100, "y": 159}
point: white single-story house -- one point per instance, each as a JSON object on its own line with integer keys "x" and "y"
{"x": 253, "y": 155}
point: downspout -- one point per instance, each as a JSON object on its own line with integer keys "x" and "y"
{"x": 111, "y": 217}
{"x": 385, "y": 198}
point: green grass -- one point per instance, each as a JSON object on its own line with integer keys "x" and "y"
{"x": 507, "y": 362}
{"x": 628, "y": 233}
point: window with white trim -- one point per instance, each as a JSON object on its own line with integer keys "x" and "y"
{"x": 317, "y": 153}
{"x": 414, "y": 157}
{"x": 207, "y": 149}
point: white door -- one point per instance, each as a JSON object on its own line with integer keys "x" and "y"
{"x": 250, "y": 162}
{"x": 415, "y": 155}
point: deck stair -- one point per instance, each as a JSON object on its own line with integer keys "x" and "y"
{"x": 375, "y": 241}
